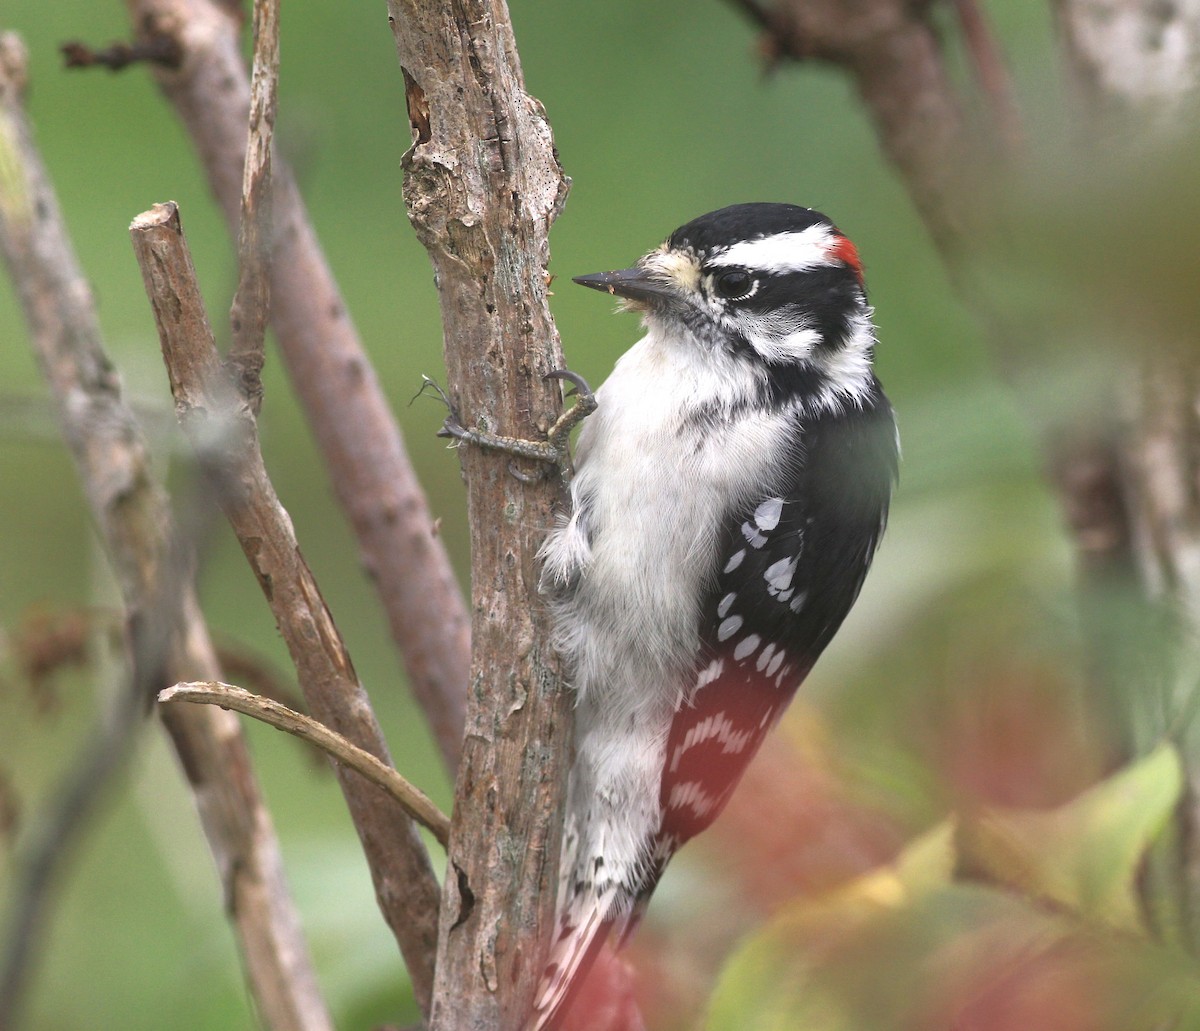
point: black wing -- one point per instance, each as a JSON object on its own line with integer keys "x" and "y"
{"x": 793, "y": 564}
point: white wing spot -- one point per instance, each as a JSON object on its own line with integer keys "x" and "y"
{"x": 756, "y": 539}
{"x": 726, "y": 602}
{"x": 775, "y": 663}
{"x": 764, "y": 657}
{"x": 735, "y": 560}
{"x": 746, "y": 646}
{"x": 767, "y": 514}
{"x": 797, "y": 602}
{"x": 779, "y": 576}
{"x": 729, "y": 627}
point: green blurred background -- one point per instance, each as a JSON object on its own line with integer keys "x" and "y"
{"x": 661, "y": 112}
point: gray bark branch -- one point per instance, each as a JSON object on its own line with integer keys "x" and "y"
{"x": 364, "y": 456}
{"x": 132, "y": 513}
{"x": 482, "y": 185}
{"x": 222, "y": 428}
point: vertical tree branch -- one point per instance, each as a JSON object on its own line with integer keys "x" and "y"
{"x": 251, "y": 302}
{"x": 482, "y": 185}
{"x": 132, "y": 513}
{"x": 364, "y": 456}
{"x": 223, "y": 430}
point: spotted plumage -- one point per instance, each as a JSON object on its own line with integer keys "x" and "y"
{"x": 730, "y": 492}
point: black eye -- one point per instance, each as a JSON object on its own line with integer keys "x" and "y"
{"x": 733, "y": 284}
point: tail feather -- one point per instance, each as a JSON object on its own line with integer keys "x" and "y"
{"x": 597, "y": 913}
{"x": 584, "y": 927}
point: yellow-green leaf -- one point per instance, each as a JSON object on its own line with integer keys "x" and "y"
{"x": 1085, "y": 854}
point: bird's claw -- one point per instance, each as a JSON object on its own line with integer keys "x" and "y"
{"x": 553, "y": 450}
{"x": 580, "y": 384}
{"x": 586, "y": 404}
{"x": 452, "y": 427}
{"x": 534, "y": 477}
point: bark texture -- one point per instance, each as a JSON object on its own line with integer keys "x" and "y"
{"x": 482, "y": 185}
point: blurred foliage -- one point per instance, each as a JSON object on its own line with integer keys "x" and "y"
{"x": 1086, "y": 854}
{"x": 913, "y": 946}
{"x": 953, "y": 685}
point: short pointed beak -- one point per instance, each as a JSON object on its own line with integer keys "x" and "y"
{"x": 633, "y": 283}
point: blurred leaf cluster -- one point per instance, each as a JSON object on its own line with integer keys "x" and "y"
{"x": 913, "y": 944}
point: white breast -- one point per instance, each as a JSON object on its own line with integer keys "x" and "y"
{"x": 653, "y": 488}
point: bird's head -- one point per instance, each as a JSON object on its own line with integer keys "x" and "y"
{"x": 775, "y": 285}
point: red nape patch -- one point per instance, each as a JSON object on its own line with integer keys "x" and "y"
{"x": 844, "y": 250}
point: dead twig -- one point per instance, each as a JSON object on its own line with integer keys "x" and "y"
{"x": 415, "y": 802}
{"x": 223, "y": 431}
{"x": 169, "y": 637}
{"x": 364, "y": 456}
{"x": 117, "y": 56}
{"x": 251, "y": 301}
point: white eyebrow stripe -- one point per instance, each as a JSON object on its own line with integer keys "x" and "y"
{"x": 780, "y": 252}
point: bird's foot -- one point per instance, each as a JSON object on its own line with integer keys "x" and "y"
{"x": 554, "y": 451}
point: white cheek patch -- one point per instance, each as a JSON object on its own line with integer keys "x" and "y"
{"x": 848, "y": 366}
{"x": 786, "y": 350}
{"x": 777, "y": 340}
{"x": 781, "y": 252}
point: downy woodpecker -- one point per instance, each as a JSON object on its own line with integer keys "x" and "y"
{"x": 730, "y": 491}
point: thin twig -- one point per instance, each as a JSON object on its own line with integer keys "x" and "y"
{"x": 251, "y": 301}
{"x": 168, "y": 635}
{"x": 364, "y": 456}
{"x": 415, "y": 802}
{"x": 223, "y": 431}
{"x": 118, "y": 56}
